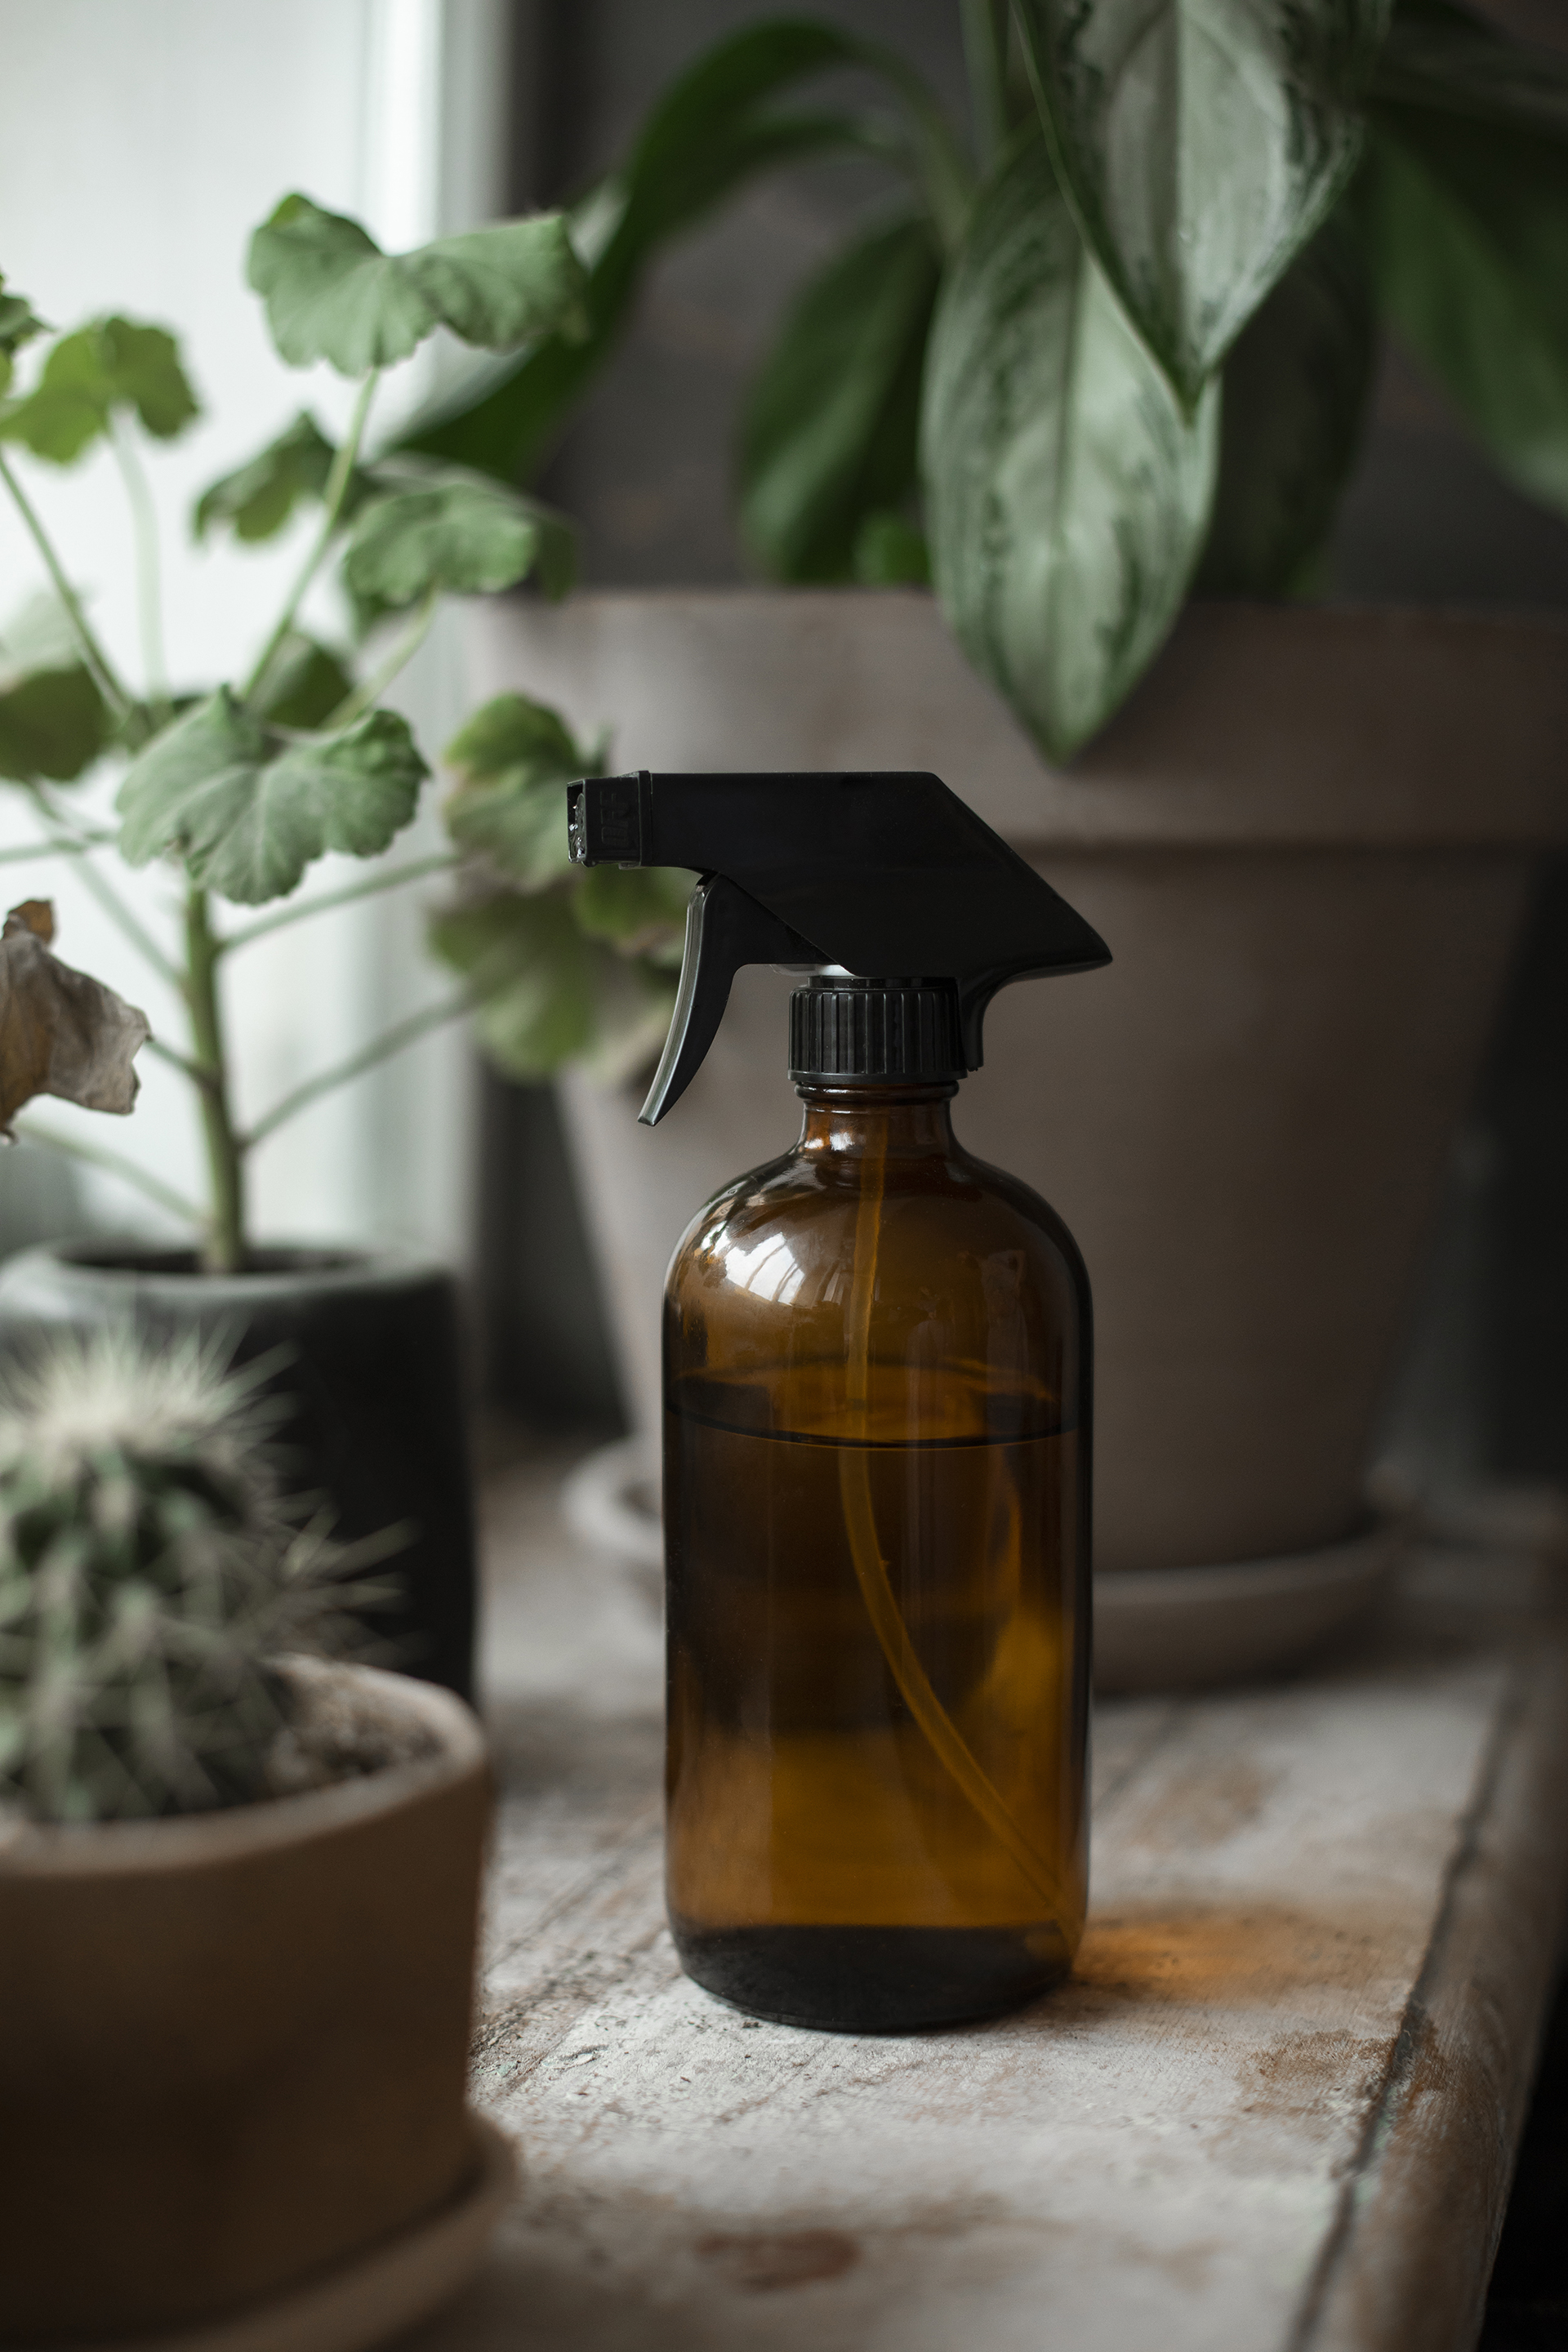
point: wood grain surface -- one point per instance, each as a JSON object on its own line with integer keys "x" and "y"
{"x": 1275, "y": 2108}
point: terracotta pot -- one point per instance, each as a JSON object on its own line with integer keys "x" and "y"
{"x": 235, "y": 2044}
{"x": 367, "y": 1354}
{"x": 1310, "y": 840}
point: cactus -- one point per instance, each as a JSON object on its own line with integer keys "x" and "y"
{"x": 149, "y": 1579}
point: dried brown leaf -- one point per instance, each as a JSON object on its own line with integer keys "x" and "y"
{"x": 36, "y": 915}
{"x": 61, "y": 1032}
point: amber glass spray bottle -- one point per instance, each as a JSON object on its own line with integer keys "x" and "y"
{"x": 877, "y": 1428}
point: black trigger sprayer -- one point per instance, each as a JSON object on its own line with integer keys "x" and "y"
{"x": 876, "y": 1386}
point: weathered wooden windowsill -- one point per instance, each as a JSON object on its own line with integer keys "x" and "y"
{"x": 1275, "y": 2111}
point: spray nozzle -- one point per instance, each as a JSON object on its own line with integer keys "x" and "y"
{"x": 879, "y": 874}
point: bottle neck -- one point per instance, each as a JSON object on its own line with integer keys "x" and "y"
{"x": 885, "y": 1118}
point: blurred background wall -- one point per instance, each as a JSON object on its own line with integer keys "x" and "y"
{"x": 140, "y": 140}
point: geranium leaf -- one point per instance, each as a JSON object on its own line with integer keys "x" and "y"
{"x": 53, "y": 723}
{"x": 1464, "y": 209}
{"x": 498, "y": 287}
{"x": 53, "y": 719}
{"x": 640, "y": 909}
{"x": 513, "y": 761}
{"x": 61, "y": 1032}
{"x": 1066, "y": 492}
{"x": 38, "y": 635}
{"x": 18, "y": 325}
{"x": 111, "y": 363}
{"x": 831, "y": 427}
{"x": 520, "y": 827}
{"x": 513, "y": 732}
{"x": 1201, "y": 143}
{"x": 248, "y": 810}
{"x": 1296, "y": 387}
{"x": 144, "y": 372}
{"x": 333, "y": 294}
{"x": 463, "y": 535}
{"x": 531, "y": 971}
{"x": 304, "y": 684}
{"x": 547, "y": 994}
{"x": 258, "y": 497}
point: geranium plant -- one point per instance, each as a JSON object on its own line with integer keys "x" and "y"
{"x": 1113, "y": 338}
{"x": 239, "y": 788}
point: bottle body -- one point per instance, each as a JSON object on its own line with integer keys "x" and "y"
{"x": 877, "y": 1430}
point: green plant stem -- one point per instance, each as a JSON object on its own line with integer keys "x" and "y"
{"x": 391, "y": 1041}
{"x": 149, "y": 584}
{"x": 93, "y": 653}
{"x": 297, "y": 910}
{"x": 113, "y": 905}
{"x": 332, "y": 497}
{"x": 984, "y": 26}
{"x": 99, "y": 1155}
{"x": 198, "y": 1075}
{"x": 364, "y": 696}
{"x": 223, "y": 1248}
{"x": 56, "y": 845}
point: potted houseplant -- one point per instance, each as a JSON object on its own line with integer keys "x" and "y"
{"x": 239, "y": 789}
{"x": 238, "y": 1891}
{"x": 1111, "y": 350}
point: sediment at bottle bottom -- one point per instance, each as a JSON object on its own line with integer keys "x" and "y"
{"x": 872, "y": 1979}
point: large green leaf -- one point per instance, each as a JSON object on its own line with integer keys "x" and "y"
{"x": 1296, "y": 387}
{"x": 332, "y": 293}
{"x": 831, "y": 429}
{"x": 111, "y": 363}
{"x": 52, "y": 723}
{"x": 717, "y": 127}
{"x": 547, "y": 994}
{"x": 248, "y": 810}
{"x": 1067, "y": 493}
{"x": 258, "y": 497}
{"x": 462, "y": 535}
{"x": 1201, "y": 143}
{"x": 1464, "y": 206}
{"x": 513, "y": 761}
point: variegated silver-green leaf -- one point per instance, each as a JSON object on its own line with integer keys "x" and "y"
{"x": 1201, "y": 143}
{"x": 1068, "y": 492}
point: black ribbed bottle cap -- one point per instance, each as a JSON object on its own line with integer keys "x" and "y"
{"x": 849, "y": 1030}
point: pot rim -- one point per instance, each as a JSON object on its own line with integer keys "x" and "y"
{"x": 1278, "y": 613}
{"x": 94, "y": 1262}
{"x": 233, "y": 1834}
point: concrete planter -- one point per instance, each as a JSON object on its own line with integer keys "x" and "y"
{"x": 1310, "y": 840}
{"x": 235, "y": 2055}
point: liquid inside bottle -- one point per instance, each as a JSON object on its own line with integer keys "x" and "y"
{"x": 876, "y": 1497}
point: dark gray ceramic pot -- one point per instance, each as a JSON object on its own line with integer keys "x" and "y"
{"x": 371, "y": 1365}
